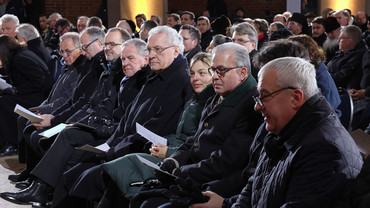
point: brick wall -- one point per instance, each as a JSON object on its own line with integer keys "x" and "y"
{"x": 72, "y": 9}
{"x": 253, "y": 8}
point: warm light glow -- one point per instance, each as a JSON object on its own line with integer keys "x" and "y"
{"x": 354, "y": 6}
{"x": 341, "y": 4}
{"x": 129, "y": 9}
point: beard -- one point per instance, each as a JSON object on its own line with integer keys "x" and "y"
{"x": 330, "y": 43}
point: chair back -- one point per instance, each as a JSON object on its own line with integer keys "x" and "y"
{"x": 346, "y": 107}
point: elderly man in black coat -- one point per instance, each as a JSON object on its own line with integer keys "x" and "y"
{"x": 218, "y": 148}
{"x": 308, "y": 159}
{"x": 346, "y": 65}
{"x": 157, "y": 107}
{"x": 62, "y": 90}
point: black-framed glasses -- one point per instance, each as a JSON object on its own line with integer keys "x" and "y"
{"x": 67, "y": 52}
{"x": 222, "y": 71}
{"x": 84, "y": 47}
{"x": 111, "y": 44}
{"x": 240, "y": 40}
{"x": 158, "y": 50}
{"x": 258, "y": 100}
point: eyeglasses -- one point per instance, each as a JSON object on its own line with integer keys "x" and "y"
{"x": 111, "y": 44}
{"x": 221, "y": 71}
{"x": 241, "y": 40}
{"x": 258, "y": 100}
{"x": 158, "y": 50}
{"x": 84, "y": 47}
{"x": 67, "y": 52}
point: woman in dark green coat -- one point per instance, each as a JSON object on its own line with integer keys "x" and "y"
{"x": 128, "y": 170}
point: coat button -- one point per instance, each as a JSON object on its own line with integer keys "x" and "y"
{"x": 195, "y": 144}
{"x": 206, "y": 124}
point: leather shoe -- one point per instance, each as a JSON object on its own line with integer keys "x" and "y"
{"x": 24, "y": 184}
{"x": 22, "y": 176}
{"x": 35, "y": 195}
{"x": 8, "y": 150}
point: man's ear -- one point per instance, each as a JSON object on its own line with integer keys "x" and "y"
{"x": 243, "y": 73}
{"x": 298, "y": 98}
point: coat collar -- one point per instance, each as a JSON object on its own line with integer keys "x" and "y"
{"x": 236, "y": 95}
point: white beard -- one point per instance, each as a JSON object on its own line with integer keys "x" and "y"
{"x": 330, "y": 43}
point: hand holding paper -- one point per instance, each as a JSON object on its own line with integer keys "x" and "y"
{"x": 27, "y": 114}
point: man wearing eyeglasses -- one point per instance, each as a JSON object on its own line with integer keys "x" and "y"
{"x": 308, "y": 158}
{"x": 95, "y": 94}
{"x": 157, "y": 107}
{"x": 246, "y": 35}
{"x": 218, "y": 148}
{"x": 61, "y": 92}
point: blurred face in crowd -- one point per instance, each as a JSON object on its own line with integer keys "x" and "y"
{"x": 69, "y": 51}
{"x": 81, "y": 24}
{"x": 272, "y": 29}
{"x": 189, "y": 44}
{"x": 186, "y": 20}
{"x": 139, "y": 21}
{"x": 203, "y": 26}
{"x": 42, "y": 22}
{"x": 91, "y": 47}
{"x": 279, "y": 19}
{"x": 343, "y": 21}
{"x": 112, "y": 46}
{"x": 143, "y": 34}
{"x": 277, "y": 110}
{"x": 8, "y": 28}
{"x": 345, "y": 43}
{"x": 132, "y": 61}
{"x": 171, "y": 21}
{"x": 53, "y": 20}
{"x": 199, "y": 76}
{"x": 294, "y": 27}
{"x": 161, "y": 53}
{"x": 361, "y": 18}
{"x": 227, "y": 81}
{"x": 317, "y": 30}
{"x": 244, "y": 41}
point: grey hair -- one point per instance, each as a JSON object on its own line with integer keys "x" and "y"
{"x": 9, "y": 18}
{"x": 293, "y": 72}
{"x": 354, "y": 33}
{"x": 139, "y": 44}
{"x": 158, "y": 18}
{"x": 246, "y": 29}
{"x": 240, "y": 54}
{"x": 83, "y": 17}
{"x": 173, "y": 37}
{"x": 27, "y": 31}
{"x": 94, "y": 33}
{"x": 56, "y": 14}
{"x": 74, "y": 36}
{"x": 124, "y": 34}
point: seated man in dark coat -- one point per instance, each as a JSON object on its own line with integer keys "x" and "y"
{"x": 28, "y": 33}
{"x": 308, "y": 159}
{"x": 218, "y": 148}
{"x": 31, "y": 83}
{"x": 62, "y": 90}
{"x": 191, "y": 39}
{"x": 346, "y": 65}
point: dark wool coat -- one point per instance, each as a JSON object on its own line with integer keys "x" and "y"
{"x": 309, "y": 164}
